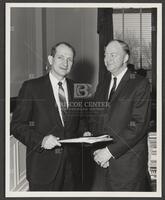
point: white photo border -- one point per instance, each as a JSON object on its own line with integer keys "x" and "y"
{"x": 158, "y": 192}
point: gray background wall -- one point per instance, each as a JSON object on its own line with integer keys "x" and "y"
{"x": 77, "y": 26}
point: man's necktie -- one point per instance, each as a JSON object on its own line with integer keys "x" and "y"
{"x": 113, "y": 89}
{"x": 62, "y": 99}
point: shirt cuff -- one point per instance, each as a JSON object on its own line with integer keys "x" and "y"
{"x": 110, "y": 153}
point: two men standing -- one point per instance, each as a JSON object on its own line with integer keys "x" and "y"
{"x": 120, "y": 166}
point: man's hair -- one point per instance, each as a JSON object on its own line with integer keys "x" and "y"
{"x": 123, "y": 44}
{"x": 53, "y": 49}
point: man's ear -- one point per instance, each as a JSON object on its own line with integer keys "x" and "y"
{"x": 126, "y": 57}
{"x": 50, "y": 59}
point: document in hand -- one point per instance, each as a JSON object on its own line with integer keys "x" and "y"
{"x": 89, "y": 140}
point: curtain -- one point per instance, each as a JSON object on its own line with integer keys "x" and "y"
{"x": 105, "y": 31}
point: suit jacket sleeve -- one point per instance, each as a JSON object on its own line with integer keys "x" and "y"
{"x": 137, "y": 128}
{"x": 22, "y": 125}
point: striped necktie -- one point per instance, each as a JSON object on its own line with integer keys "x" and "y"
{"x": 113, "y": 89}
{"x": 62, "y": 99}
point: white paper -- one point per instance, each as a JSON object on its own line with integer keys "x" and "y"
{"x": 89, "y": 140}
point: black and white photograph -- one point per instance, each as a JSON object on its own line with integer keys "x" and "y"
{"x": 83, "y": 99}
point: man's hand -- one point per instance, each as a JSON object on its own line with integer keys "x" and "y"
{"x": 49, "y": 142}
{"x": 102, "y": 157}
{"x": 87, "y": 133}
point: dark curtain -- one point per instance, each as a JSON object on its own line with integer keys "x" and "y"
{"x": 105, "y": 31}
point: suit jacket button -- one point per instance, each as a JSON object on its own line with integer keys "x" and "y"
{"x": 58, "y": 150}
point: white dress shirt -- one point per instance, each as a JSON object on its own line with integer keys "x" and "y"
{"x": 119, "y": 77}
{"x": 54, "y": 82}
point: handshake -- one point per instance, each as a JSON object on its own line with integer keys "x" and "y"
{"x": 101, "y": 156}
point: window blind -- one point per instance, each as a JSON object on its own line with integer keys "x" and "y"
{"x": 134, "y": 27}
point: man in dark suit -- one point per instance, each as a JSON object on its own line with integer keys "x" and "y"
{"x": 122, "y": 165}
{"x": 44, "y": 114}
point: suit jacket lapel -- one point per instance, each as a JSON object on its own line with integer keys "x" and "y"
{"x": 107, "y": 85}
{"x": 121, "y": 85}
{"x": 51, "y": 102}
{"x": 103, "y": 90}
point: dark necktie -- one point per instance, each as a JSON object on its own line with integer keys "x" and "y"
{"x": 62, "y": 99}
{"x": 113, "y": 89}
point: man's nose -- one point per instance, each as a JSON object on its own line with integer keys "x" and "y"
{"x": 65, "y": 61}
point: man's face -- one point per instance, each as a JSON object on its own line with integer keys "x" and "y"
{"x": 62, "y": 61}
{"x": 114, "y": 57}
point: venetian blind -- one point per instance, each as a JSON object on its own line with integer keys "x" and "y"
{"x": 135, "y": 29}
